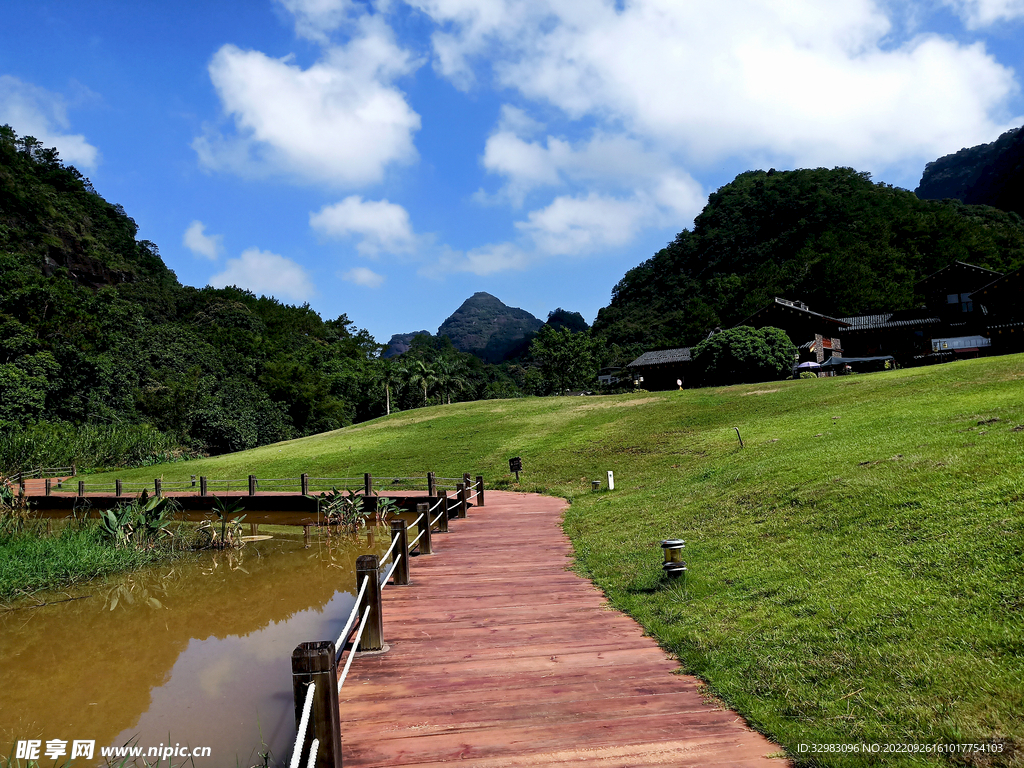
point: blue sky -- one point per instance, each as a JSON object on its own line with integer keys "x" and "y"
{"x": 387, "y": 159}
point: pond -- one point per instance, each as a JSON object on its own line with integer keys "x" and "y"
{"x": 195, "y": 653}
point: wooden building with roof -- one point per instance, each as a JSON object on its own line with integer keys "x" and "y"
{"x": 661, "y": 369}
{"x": 1001, "y": 303}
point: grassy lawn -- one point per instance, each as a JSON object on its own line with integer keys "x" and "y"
{"x": 856, "y": 571}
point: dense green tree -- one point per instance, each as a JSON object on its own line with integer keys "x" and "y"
{"x": 449, "y": 373}
{"x": 567, "y": 360}
{"x": 391, "y": 376}
{"x": 422, "y": 375}
{"x": 744, "y": 354}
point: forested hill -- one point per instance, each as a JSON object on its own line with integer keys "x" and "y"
{"x": 486, "y": 327}
{"x": 989, "y": 174}
{"x": 831, "y": 238}
{"x": 94, "y": 329}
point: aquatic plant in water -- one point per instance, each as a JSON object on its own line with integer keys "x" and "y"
{"x": 229, "y": 516}
{"x": 348, "y": 510}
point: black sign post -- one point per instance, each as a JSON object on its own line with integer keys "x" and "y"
{"x": 515, "y": 464}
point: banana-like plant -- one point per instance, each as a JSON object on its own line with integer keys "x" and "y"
{"x": 154, "y": 516}
{"x": 118, "y": 525}
{"x": 227, "y": 514}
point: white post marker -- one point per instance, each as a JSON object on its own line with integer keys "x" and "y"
{"x": 611, "y": 481}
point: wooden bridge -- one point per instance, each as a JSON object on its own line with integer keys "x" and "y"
{"x": 501, "y": 656}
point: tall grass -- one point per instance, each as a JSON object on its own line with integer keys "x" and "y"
{"x": 30, "y": 560}
{"x": 60, "y": 445}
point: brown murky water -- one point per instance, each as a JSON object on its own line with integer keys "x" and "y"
{"x": 195, "y": 653}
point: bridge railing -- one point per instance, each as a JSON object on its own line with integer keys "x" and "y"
{"x": 364, "y": 627}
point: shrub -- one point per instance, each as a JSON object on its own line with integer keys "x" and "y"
{"x": 744, "y": 354}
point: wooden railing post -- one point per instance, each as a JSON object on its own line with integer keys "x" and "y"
{"x": 443, "y": 522}
{"x": 424, "y": 527}
{"x": 81, "y": 488}
{"x": 304, "y": 484}
{"x": 252, "y": 485}
{"x": 202, "y": 485}
{"x": 193, "y": 477}
{"x": 369, "y": 500}
{"x": 158, "y": 488}
{"x": 400, "y": 531}
{"x": 373, "y": 635}
{"x": 21, "y": 486}
{"x": 461, "y": 492}
{"x": 431, "y": 484}
{"x": 118, "y": 487}
{"x": 316, "y": 663}
{"x": 47, "y": 486}
{"x": 479, "y": 490}
{"x": 468, "y": 483}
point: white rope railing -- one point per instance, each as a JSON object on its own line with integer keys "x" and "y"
{"x": 340, "y": 644}
{"x": 355, "y": 644}
{"x": 391, "y": 570}
{"x": 313, "y": 749}
{"x": 438, "y": 504}
{"x": 391, "y": 549}
{"x": 300, "y": 737}
{"x": 439, "y": 515}
{"x": 416, "y": 541}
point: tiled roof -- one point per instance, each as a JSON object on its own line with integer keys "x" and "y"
{"x": 871, "y": 322}
{"x": 962, "y": 266}
{"x": 793, "y": 306}
{"x": 662, "y": 357}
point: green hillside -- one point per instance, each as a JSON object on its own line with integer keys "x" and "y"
{"x": 856, "y": 571}
{"x": 98, "y": 338}
{"x": 831, "y": 238}
{"x": 988, "y": 174}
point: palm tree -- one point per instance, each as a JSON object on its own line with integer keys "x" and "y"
{"x": 449, "y": 376}
{"x": 423, "y": 375}
{"x": 391, "y": 375}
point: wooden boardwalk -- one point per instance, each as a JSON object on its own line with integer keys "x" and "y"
{"x": 499, "y": 656}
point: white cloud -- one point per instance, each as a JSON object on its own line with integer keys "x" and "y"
{"x": 201, "y": 244}
{"x": 315, "y": 19}
{"x": 34, "y": 111}
{"x": 607, "y": 160}
{"x": 263, "y": 272}
{"x": 381, "y": 225}
{"x": 341, "y": 121}
{"x": 572, "y": 225}
{"x": 486, "y": 260}
{"x": 982, "y": 13}
{"x": 808, "y": 82}
{"x": 364, "y": 277}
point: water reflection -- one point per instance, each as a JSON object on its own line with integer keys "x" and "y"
{"x": 196, "y": 653}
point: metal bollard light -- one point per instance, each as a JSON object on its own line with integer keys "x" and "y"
{"x": 673, "y": 564}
